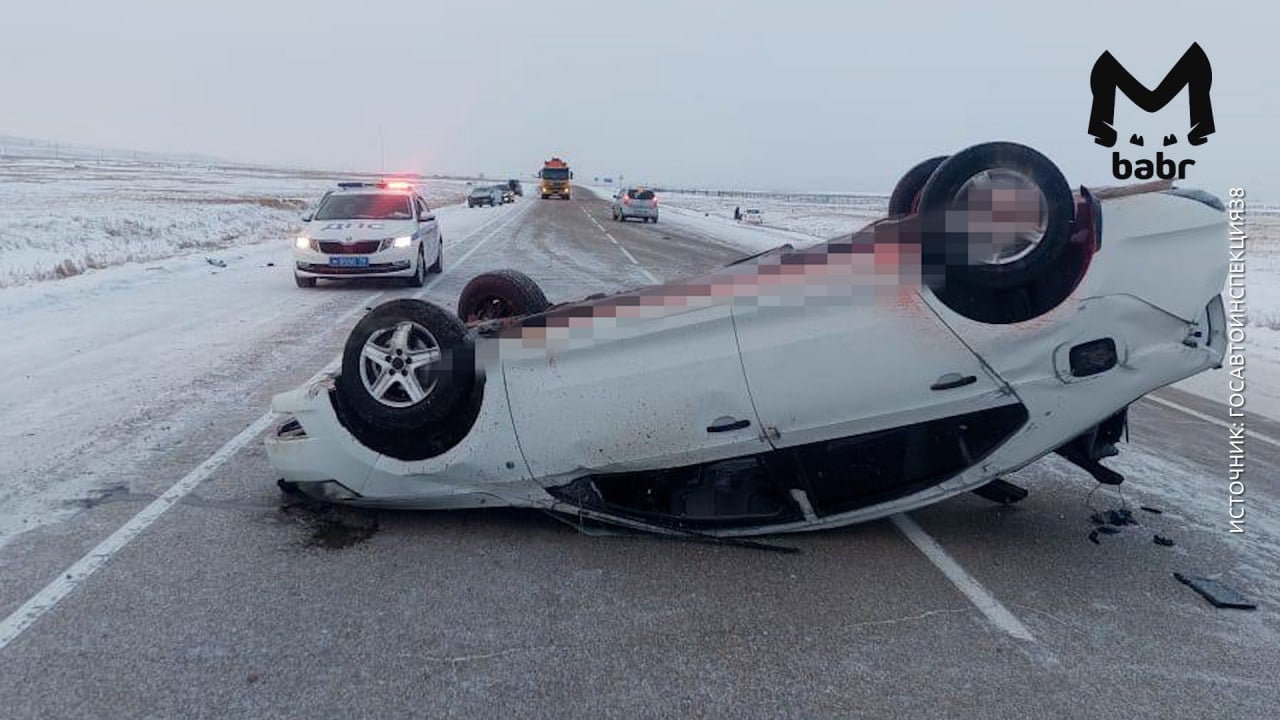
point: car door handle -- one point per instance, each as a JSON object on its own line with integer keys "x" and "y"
{"x": 953, "y": 380}
{"x": 726, "y": 423}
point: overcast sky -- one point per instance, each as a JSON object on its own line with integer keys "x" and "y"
{"x": 780, "y": 94}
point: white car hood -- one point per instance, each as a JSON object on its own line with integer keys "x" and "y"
{"x": 351, "y": 230}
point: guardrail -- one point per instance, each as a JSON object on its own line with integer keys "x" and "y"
{"x": 801, "y": 197}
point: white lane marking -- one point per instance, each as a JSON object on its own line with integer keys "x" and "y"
{"x": 71, "y": 578}
{"x": 643, "y": 270}
{"x": 630, "y": 257}
{"x": 986, "y": 603}
{"x": 1211, "y": 419}
{"x": 53, "y": 593}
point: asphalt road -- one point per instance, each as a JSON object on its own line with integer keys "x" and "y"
{"x": 236, "y": 604}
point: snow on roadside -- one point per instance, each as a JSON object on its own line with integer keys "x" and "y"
{"x": 839, "y": 215}
{"x": 59, "y": 218}
{"x": 113, "y": 366}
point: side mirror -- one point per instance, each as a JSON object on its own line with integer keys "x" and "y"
{"x": 306, "y": 218}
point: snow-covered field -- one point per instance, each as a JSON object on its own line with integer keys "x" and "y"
{"x": 820, "y": 216}
{"x": 62, "y": 216}
{"x": 827, "y": 216}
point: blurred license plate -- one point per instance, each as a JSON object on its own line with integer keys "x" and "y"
{"x": 349, "y": 261}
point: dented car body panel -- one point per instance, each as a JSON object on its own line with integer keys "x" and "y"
{"x": 799, "y": 390}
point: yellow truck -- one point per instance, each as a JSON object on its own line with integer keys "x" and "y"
{"x": 553, "y": 179}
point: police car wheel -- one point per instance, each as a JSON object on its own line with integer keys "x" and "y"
{"x": 437, "y": 267}
{"x": 419, "y": 277}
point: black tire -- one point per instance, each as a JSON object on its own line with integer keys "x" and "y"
{"x": 453, "y": 375}
{"x": 948, "y": 249}
{"x": 304, "y": 282}
{"x": 419, "y": 277}
{"x": 499, "y": 294}
{"x": 903, "y": 199}
{"x": 437, "y": 267}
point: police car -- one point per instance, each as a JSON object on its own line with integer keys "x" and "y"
{"x": 364, "y": 229}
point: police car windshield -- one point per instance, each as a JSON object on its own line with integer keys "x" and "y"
{"x": 365, "y": 207}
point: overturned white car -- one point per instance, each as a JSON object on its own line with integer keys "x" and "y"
{"x": 993, "y": 318}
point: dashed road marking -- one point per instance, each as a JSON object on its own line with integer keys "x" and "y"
{"x": 50, "y": 595}
{"x": 986, "y": 603}
{"x": 630, "y": 257}
{"x": 643, "y": 270}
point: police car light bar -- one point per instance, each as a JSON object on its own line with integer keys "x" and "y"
{"x": 383, "y": 185}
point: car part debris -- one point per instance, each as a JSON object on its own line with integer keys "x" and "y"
{"x": 1093, "y": 538}
{"x": 1001, "y": 491}
{"x": 1216, "y": 593}
{"x": 216, "y": 262}
{"x": 1108, "y": 530}
{"x": 1148, "y": 508}
{"x": 1117, "y": 518}
{"x": 1086, "y": 449}
{"x": 1162, "y": 540}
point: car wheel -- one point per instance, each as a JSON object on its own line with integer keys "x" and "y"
{"x": 304, "y": 282}
{"x": 419, "y": 277}
{"x": 1003, "y": 258}
{"x": 406, "y": 365}
{"x": 437, "y": 267}
{"x": 906, "y": 194}
{"x": 500, "y": 294}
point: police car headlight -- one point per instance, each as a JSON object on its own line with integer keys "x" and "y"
{"x": 302, "y": 243}
{"x": 402, "y": 242}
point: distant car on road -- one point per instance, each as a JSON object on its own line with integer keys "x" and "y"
{"x": 484, "y": 195}
{"x": 382, "y": 229}
{"x": 516, "y": 187}
{"x": 635, "y": 203}
{"x": 753, "y": 216}
{"x": 508, "y": 195}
